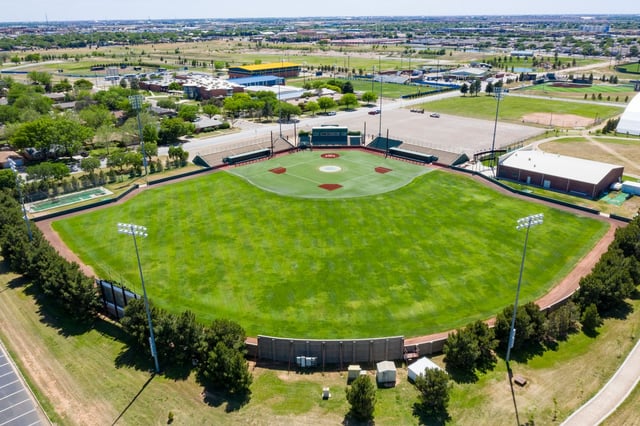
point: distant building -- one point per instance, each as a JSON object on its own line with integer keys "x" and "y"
{"x": 571, "y": 175}
{"x": 262, "y": 80}
{"x": 280, "y": 69}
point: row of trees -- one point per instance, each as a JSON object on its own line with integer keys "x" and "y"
{"x": 28, "y": 253}
{"x": 603, "y": 292}
{"x": 217, "y": 351}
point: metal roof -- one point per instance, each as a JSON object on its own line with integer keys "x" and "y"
{"x": 576, "y": 169}
{"x": 269, "y": 66}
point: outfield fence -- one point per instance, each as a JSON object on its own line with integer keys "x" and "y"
{"x": 335, "y": 352}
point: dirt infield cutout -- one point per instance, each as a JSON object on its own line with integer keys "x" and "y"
{"x": 330, "y": 186}
{"x": 330, "y": 155}
{"x": 557, "y": 120}
{"x": 382, "y": 170}
{"x": 278, "y": 170}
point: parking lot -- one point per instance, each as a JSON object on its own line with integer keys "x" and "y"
{"x": 17, "y": 405}
{"x": 447, "y": 132}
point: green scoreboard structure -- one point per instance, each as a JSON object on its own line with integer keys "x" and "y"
{"x": 330, "y": 135}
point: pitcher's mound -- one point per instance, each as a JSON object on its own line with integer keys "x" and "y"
{"x": 278, "y": 170}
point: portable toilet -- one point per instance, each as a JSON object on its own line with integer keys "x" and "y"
{"x": 353, "y": 371}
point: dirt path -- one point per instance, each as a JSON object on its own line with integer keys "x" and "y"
{"x": 52, "y": 379}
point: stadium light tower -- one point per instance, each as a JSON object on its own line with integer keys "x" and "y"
{"x": 525, "y": 222}
{"x": 136, "y": 104}
{"x": 14, "y": 169}
{"x": 141, "y": 231}
{"x": 498, "y": 93}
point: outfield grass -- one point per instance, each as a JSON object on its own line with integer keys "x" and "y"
{"x": 514, "y": 108}
{"x": 71, "y": 368}
{"x": 435, "y": 254}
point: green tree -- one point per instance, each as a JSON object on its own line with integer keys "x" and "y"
{"x": 590, "y": 319}
{"x": 361, "y": 395}
{"x": 96, "y": 116}
{"x": 188, "y": 112}
{"x": 369, "y": 97}
{"x": 210, "y": 110}
{"x": 347, "y": 87}
{"x": 461, "y": 350}
{"x": 349, "y": 100}
{"x": 172, "y": 128}
{"x": 326, "y": 102}
{"x": 90, "y": 164}
{"x": 40, "y": 77}
{"x": 434, "y": 388}
{"x": 62, "y": 86}
{"x": 286, "y": 110}
{"x": 464, "y": 89}
{"x": 82, "y": 84}
{"x": 312, "y": 107}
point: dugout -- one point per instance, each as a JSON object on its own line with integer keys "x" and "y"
{"x": 247, "y": 156}
{"x": 412, "y": 155}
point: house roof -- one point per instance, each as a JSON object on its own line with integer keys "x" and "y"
{"x": 576, "y": 169}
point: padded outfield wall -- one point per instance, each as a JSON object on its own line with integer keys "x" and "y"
{"x": 335, "y": 352}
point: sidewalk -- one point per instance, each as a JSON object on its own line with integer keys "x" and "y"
{"x": 605, "y": 402}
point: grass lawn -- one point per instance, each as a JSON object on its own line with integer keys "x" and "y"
{"x": 389, "y": 90}
{"x": 71, "y": 368}
{"x": 513, "y": 108}
{"x": 432, "y": 255}
{"x": 609, "y": 92}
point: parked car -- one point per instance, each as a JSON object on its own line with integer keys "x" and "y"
{"x": 331, "y": 113}
{"x": 374, "y": 112}
{"x": 434, "y": 115}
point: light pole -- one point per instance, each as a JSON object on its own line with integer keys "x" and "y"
{"x": 136, "y": 104}
{"x": 380, "y": 114}
{"x": 141, "y": 231}
{"x": 525, "y": 222}
{"x": 498, "y": 94}
{"x": 14, "y": 169}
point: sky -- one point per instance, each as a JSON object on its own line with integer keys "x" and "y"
{"x": 72, "y": 10}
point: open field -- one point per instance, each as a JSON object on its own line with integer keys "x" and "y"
{"x": 614, "y": 150}
{"x": 72, "y": 368}
{"x": 515, "y": 108}
{"x": 609, "y": 92}
{"x": 404, "y": 262}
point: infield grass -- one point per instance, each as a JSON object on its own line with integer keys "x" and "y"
{"x": 435, "y": 254}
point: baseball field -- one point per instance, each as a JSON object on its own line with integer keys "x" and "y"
{"x": 430, "y": 252}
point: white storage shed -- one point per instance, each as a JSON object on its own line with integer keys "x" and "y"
{"x": 420, "y": 366}
{"x": 386, "y": 373}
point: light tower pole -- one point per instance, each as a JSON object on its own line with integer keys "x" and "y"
{"x": 136, "y": 104}
{"x": 14, "y": 169}
{"x": 523, "y": 223}
{"x": 141, "y": 231}
{"x": 498, "y": 93}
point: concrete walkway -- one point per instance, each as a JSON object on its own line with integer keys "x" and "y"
{"x": 605, "y": 402}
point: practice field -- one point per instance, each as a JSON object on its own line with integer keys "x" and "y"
{"x": 434, "y": 254}
{"x": 330, "y": 174}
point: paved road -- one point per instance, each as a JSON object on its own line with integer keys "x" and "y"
{"x": 18, "y": 407}
{"x": 605, "y": 402}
